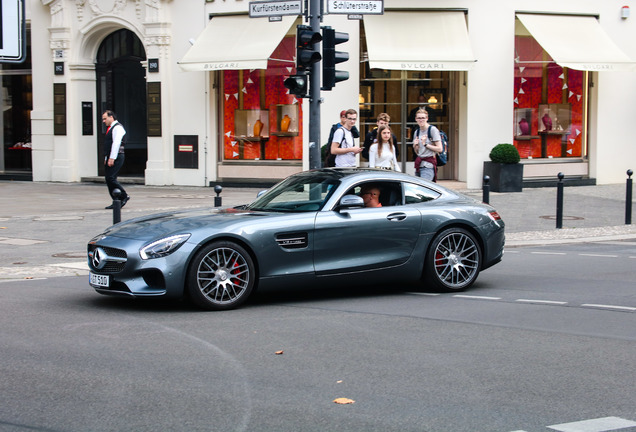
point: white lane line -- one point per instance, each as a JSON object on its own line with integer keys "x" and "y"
{"x": 598, "y": 255}
{"x": 594, "y": 425}
{"x": 548, "y": 253}
{"x": 601, "y": 306}
{"x": 476, "y": 297}
{"x": 548, "y": 302}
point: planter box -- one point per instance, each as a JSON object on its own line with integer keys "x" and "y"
{"x": 504, "y": 177}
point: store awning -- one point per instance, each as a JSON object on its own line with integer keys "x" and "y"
{"x": 418, "y": 41}
{"x": 577, "y": 42}
{"x": 235, "y": 42}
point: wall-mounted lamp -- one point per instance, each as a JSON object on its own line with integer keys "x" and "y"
{"x": 432, "y": 100}
{"x": 625, "y": 12}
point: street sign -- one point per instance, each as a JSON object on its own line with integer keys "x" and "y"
{"x": 262, "y": 9}
{"x": 12, "y": 31}
{"x": 355, "y": 7}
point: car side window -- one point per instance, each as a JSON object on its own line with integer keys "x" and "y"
{"x": 416, "y": 194}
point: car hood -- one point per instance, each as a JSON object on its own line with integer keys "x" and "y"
{"x": 164, "y": 224}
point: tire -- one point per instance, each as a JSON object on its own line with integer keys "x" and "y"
{"x": 453, "y": 260}
{"x": 221, "y": 276}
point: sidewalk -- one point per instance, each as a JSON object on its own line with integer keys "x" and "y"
{"x": 44, "y": 227}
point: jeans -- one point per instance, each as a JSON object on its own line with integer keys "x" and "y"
{"x": 110, "y": 174}
{"x": 427, "y": 173}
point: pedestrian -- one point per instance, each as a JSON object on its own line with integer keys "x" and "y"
{"x": 342, "y": 145}
{"x": 382, "y": 153}
{"x": 425, "y": 148}
{"x": 114, "y": 155}
{"x": 335, "y": 126}
{"x": 371, "y": 137}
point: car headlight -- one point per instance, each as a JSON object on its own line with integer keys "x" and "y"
{"x": 163, "y": 247}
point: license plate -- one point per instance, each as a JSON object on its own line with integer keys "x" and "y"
{"x": 99, "y": 280}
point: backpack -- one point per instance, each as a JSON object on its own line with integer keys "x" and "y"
{"x": 330, "y": 159}
{"x": 442, "y": 158}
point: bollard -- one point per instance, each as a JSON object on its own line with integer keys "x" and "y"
{"x": 628, "y": 198}
{"x": 559, "y": 209}
{"x": 217, "y": 199}
{"x": 116, "y": 206}
{"x": 486, "y": 190}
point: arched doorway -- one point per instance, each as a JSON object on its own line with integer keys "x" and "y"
{"x": 121, "y": 87}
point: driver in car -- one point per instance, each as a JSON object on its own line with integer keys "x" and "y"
{"x": 371, "y": 196}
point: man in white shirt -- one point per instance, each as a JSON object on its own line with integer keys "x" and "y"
{"x": 343, "y": 145}
{"x": 114, "y": 155}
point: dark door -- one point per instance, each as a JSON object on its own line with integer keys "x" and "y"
{"x": 121, "y": 87}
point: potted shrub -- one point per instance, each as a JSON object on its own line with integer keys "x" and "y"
{"x": 504, "y": 169}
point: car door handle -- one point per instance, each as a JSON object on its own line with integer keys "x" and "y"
{"x": 396, "y": 216}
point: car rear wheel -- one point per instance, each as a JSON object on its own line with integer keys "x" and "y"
{"x": 221, "y": 276}
{"x": 453, "y": 260}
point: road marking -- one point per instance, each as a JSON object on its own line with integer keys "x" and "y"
{"x": 594, "y": 425}
{"x": 477, "y": 297}
{"x": 598, "y": 255}
{"x": 600, "y": 306}
{"x": 549, "y": 302}
{"x": 548, "y": 253}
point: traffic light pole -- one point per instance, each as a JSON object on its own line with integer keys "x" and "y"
{"x": 315, "y": 159}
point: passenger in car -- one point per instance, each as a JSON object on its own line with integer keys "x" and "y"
{"x": 370, "y": 195}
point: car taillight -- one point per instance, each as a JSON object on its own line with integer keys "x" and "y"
{"x": 494, "y": 215}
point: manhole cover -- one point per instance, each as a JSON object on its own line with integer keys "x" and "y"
{"x": 552, "y": 217}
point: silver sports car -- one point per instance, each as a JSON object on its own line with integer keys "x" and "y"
{"x": 312, "y": 228}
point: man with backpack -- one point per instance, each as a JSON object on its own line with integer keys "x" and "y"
{"x": 342, "y": 145}
{"x": 427, "y": 142}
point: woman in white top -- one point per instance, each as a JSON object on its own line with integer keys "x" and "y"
{"x": 382, "y": 152}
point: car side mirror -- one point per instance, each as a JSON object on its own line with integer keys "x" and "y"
{"x": 260, "y": 193}
{"x": 349, "y": 202}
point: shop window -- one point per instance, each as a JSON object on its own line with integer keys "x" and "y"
{"x": 550, "y": 103}
{"x": 261, "y": 121}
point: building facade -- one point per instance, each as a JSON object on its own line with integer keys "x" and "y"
{"x": 199, "y": 86}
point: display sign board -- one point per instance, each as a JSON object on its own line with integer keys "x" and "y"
{"x": 12, "y": 31}
{"x": 355, "y": 7}
{"x": 261, "y": 9}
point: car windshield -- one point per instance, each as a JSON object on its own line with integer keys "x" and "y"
{"x": 301, "y": 193}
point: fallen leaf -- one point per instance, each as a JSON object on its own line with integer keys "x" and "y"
{"x": 28, "y": 277}
{"x": 279, "y": 352}
{"x": 344, "y": 401}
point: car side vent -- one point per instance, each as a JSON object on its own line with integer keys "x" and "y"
{"x": 292, "y": 240}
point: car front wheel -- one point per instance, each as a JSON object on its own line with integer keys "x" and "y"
{"x": 221, "y": 276}
{"x": 453, "y": 260}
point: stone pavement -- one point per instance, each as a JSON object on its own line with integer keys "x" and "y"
{"x": 44, "y": 227}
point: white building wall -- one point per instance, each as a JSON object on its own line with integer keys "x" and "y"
{"x": 190, "y": 99}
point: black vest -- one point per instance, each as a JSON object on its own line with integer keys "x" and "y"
{"x": 108, "y": 141}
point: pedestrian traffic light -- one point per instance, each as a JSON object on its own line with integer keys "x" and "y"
{"x": 298, "y": 85}
{"x": 306, "y": 55}
{"x": 331, "y": 57}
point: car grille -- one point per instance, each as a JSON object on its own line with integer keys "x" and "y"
{"x": 115, "y": 259}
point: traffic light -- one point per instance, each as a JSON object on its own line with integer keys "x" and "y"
{"x": 331, "y": 57}
{"x": 306, "y": 55}
{"x": 298, "y": 85}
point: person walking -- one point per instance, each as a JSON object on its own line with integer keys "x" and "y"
{"x": 114, "y": 155}
{"x": 343, "y": 146}
{"x": 425, "y": 147}
{"x": 382, "y": 154}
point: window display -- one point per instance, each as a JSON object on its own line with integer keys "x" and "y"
{"x": 261, "y": 121}
{"x": 550, "y": 103}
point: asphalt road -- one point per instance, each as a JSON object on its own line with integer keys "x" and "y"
{"x": 545, "y": 338}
